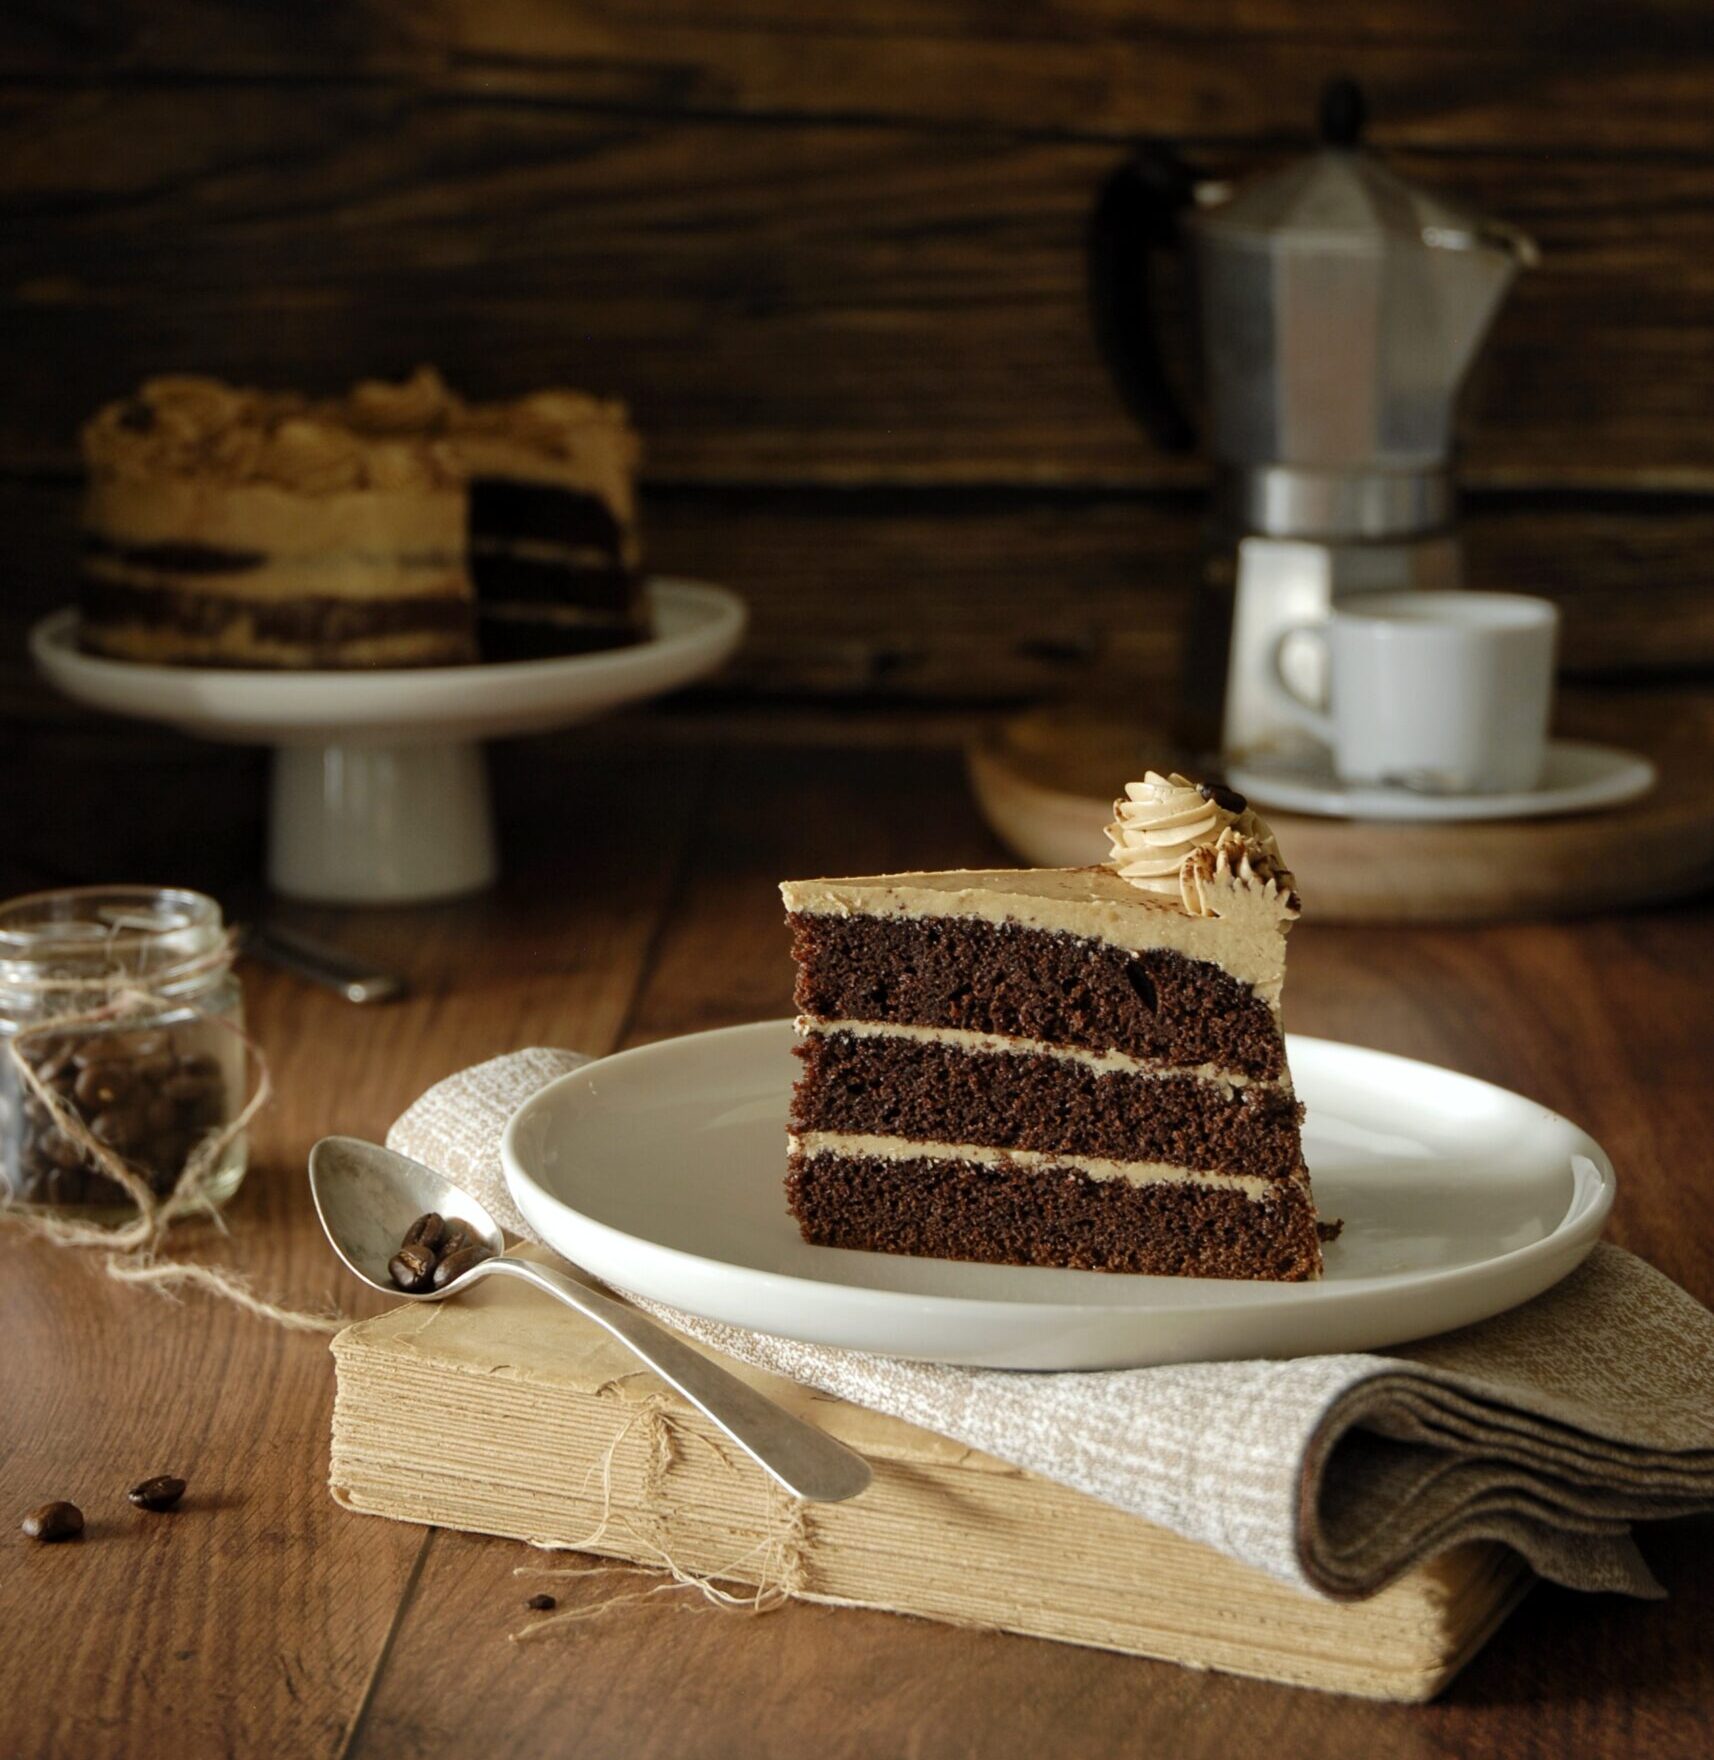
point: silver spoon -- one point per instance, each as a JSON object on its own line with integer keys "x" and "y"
{"x": 367, "y": 1196}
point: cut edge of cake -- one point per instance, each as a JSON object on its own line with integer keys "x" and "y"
{"x": 1078, "y": 1067}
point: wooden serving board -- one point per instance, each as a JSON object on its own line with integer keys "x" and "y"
{"x": 1046, "y": 781}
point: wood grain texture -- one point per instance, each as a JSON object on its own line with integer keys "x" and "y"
{"x": 262, "y": 1620}
{"x": 832, "y": 248}
{"x": 1444, "y": 75}
{"x": 828, "y": 301}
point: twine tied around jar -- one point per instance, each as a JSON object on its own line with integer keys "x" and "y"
{"x": 134, "y": 1248}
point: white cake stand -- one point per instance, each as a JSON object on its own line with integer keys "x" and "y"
{"x": 380, "y": 794}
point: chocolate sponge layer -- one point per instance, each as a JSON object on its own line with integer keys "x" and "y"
{"x": 1030, "y": 984}
{"x": 882, "y": 1085}
{"x": 1051, "y": 1216}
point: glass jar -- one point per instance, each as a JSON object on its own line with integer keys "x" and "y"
{"x": 150, "y": 1059}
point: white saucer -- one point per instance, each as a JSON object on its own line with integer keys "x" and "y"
{"x": 380, "y": 795}
{"x": 1577, "y": 778}
{"x": 661, "y": 1170}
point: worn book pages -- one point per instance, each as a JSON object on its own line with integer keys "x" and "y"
{"x": 502, "y": 1413}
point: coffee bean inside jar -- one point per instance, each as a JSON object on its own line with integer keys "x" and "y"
{"x": 149, "y": 1096}
{"x": 161, "y": 1070}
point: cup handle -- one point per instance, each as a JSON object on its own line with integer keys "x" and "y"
{"x": 1284, "y": 698}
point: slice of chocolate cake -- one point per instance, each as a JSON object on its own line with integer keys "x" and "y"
{"x": 1078, "y": 1067}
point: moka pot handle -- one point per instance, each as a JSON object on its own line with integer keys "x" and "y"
{"x": 1136, "y": 214}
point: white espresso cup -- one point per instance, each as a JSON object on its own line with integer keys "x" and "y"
{"x": 1447, "y": 692}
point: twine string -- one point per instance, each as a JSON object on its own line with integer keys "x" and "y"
{"x": 775, "y": 1563}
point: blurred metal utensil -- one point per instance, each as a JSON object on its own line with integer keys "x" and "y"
{"x": 262, "y": 937}
{"x": 355, "y": 980}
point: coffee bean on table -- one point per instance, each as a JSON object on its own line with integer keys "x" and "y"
{"x": 54, "y": 1521}
{"x": 411, "y": 1268}
{"x": 542, "y": 1603}
{"x": 456, "y": 1264}
{"x": 159, "y": 1493}
{"x": 428, "y": 1232}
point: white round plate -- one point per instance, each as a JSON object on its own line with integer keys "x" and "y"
{"x": 1577, "y": 778}
{"x": 696, "y": 628}
{"x": 662, "y": 1170}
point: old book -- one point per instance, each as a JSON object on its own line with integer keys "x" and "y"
{"x": 505, "y": 1414}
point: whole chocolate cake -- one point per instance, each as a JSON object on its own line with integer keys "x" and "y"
{"x": 395, "y": 526}
{"x": 1078, "y": 1067}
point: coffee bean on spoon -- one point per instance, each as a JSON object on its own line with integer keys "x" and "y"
{"x": 456, "y": 1264}
{"x": 541, "y": 1603}
{"x": 54, "y": 1521}
{"x": 428, "y": 1232}
{"x": 159, "y": 1493}
{"x": 411, "y": 1268}
{"x": 457, "y": 1237}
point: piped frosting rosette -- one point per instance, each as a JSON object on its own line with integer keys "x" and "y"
{"x": 1197, "y": 842}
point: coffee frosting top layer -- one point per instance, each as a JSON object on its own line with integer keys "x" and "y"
{"x": 1246, "y": 938}
{"x": 379, "y": 435}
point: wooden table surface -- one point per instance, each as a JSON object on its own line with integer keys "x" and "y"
{"x": 640, "y": 902}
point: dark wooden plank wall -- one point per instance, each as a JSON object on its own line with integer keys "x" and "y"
{"x": 830, "y": 252}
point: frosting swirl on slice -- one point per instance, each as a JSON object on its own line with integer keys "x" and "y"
{"x": 1197, "y": 842}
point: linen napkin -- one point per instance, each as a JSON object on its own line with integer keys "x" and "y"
{"x": 1551, "y": 1429}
